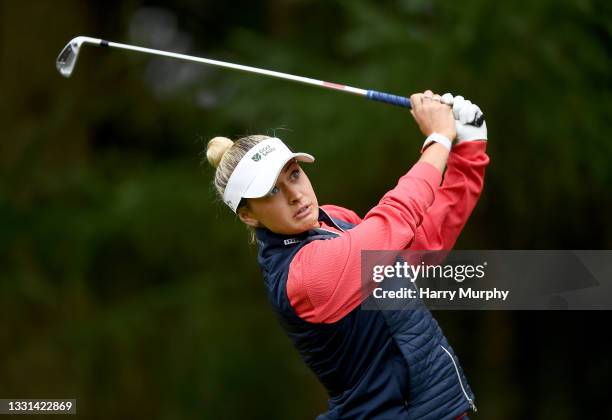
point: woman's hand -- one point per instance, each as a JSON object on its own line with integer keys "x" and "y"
{"x": 432, "y": 115}
{"x": 465, "y": 112}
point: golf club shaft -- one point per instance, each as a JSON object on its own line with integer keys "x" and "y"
{"x": 370, "y": 94}
{"x": 66, "y": 65}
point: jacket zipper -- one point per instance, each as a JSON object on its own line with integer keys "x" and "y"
{"x": 459, "y": 379}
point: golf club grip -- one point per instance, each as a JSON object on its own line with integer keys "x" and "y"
{"x": 389, "y": 99}
{"x": 405, "y": 102}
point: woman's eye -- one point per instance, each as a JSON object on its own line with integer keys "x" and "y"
{"x": 295, "y": 174}
{"x": 273, "y": 191}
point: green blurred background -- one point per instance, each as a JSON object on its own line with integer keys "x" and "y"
{"x": 125, "y": 284}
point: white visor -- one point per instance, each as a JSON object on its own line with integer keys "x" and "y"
{"x": 256, "y": 173}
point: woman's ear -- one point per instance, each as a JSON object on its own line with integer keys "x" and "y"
{"x": 246, "y": 215}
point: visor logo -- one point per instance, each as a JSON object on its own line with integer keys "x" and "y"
{"x": 264, "y": 151}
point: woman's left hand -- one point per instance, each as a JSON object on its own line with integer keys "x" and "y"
{"x": 465, "y": 112}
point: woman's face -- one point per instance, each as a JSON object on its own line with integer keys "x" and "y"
{"x": 291, "y": 207}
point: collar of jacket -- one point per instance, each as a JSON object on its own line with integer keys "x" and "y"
{"x": 268, "y": 240}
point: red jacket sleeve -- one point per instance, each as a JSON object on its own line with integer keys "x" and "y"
{"x": 455, "y": 199}
{"x": 324, "y": 281}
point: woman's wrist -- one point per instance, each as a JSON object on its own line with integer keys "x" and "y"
{"x": 436, "y": 155}
{"x": 440, "y": 138}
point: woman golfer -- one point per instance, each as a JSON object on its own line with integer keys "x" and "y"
{"x": 374, "y": 366}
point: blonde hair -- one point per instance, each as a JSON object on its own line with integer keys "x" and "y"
{"x": 224, "y": 154}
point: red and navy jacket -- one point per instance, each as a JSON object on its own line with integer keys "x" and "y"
{"x": 375, "y": 364}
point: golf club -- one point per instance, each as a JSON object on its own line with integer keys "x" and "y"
{"x": 68, "y": 57}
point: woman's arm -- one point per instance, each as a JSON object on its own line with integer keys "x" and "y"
{"x": 462, "y": 185}
{"x": 324, "y": 280}
{"x": 455, "y": 199}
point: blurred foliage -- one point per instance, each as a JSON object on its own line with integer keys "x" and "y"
{"x": 124, "y": 283}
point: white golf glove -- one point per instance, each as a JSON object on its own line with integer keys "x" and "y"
{"x": 464, "y": 112}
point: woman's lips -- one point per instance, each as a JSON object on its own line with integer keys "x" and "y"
{"x": 303, "y": 211}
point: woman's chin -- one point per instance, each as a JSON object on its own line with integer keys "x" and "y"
{"x": 306, "y": 224}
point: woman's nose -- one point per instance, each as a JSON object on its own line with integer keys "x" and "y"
{"x": 294, "y": 194}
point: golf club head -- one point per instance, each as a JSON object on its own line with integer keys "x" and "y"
{"x": 67, "y": 58}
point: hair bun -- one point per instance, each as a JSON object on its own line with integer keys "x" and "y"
{"x": 216, "y": 148}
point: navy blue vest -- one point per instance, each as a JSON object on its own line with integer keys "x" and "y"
{"x": 374, "y": 364}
